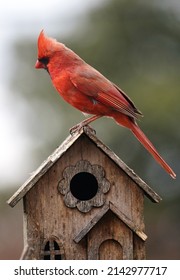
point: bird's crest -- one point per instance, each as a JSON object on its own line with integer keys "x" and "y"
{"x": 47, "y": 45}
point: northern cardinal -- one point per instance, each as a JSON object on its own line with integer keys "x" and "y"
{"x": 89, "y": 91}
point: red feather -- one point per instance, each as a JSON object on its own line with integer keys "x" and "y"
{"x": 89, "y": 91}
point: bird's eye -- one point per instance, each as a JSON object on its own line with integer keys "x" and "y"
{"x": 44, "y": 60}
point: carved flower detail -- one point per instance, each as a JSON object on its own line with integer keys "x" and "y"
{"x": 84, "y": 185}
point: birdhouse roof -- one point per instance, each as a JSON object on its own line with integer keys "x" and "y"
{"x": 118, "y": 213}
{"x": 57, "y": 154}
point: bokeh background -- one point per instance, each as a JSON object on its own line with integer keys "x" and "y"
{"x": 136, "y": 44}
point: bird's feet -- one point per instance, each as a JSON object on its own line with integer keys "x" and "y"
{"x": 84, "y": 123}
{"x": 85, "y": 127}
{"x": 75, "y": 128}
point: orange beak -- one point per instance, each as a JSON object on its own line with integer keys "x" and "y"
{"x": 39, "y": 65}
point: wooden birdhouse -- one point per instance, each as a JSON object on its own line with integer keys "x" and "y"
{"x": 83, "y": 202}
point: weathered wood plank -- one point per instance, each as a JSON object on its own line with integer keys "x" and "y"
{"x": 110, "y": 249}
{"x": 128, "y": 222}
{"x": 139, "y": 249}
{"x": 91, "y": 224}
{"x": 45, "y": 166}
{"x": 148, "y": 191}
{"x": 110, "y": 229}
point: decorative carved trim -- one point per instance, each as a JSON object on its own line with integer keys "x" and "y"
{"x": 103, "y": 186}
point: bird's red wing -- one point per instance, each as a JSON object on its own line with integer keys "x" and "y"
{"x": 92, "y": 83}
{"x": 118, "y": 104}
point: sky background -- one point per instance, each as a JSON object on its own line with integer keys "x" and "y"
{"x": 26, "y": 19}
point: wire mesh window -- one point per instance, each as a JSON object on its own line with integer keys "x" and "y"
{"x": 52, "y": 250}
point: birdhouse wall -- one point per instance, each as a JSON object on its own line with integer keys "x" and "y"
{"x": 46, "y": 215}
{"x": 114, "y": 240}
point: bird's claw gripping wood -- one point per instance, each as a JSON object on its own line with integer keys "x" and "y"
{"x": 78, "y": 126}
{"x": 85, "y": 128}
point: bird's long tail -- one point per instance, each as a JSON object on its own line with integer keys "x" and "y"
{"x": 131, "y": 124}
{"x": 151, "y": 149}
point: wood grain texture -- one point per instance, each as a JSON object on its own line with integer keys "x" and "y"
{"x": 110, "y": 249}
{"x": 58, "y": 153}
{"x": 112, "y": 227}
{"x": 115, "y": 231}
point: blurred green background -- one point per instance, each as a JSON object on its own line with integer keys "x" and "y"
{"x": 135, "y": 44}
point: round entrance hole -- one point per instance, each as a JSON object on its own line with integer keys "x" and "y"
{"x": 84, "y": 186}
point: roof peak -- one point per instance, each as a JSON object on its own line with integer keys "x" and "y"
{"x": 57, "y": 154}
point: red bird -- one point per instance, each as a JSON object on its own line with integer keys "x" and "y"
{"x": 89, "y": 91}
